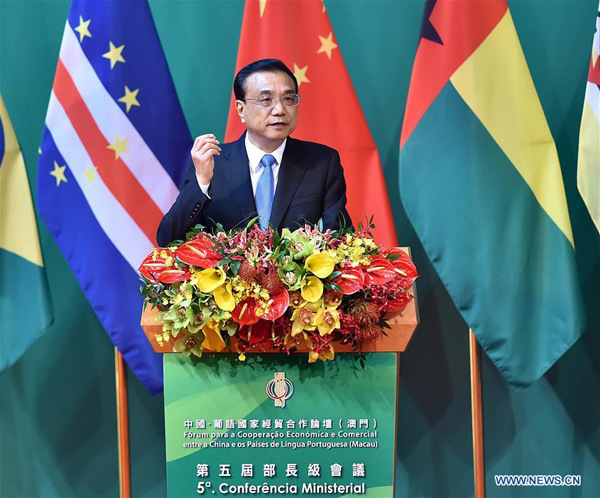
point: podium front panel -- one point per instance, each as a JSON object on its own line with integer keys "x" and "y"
{"x": 278, "y": 426}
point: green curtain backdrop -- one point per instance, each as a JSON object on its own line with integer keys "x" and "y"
{"x": 57, "y": 414}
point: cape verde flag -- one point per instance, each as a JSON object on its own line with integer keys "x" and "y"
{"x": 114, "y": 150}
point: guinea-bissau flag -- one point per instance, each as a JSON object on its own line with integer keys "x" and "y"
{"x": 481, "y": 183}
{"x": 299, "y": 33}
{"x": 588, "y": 167}
{"x": 25, "y": 308}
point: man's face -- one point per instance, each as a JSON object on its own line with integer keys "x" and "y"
{"x": 268, "y": 128}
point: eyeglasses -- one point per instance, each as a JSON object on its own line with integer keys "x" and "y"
{"x": 288, "y": 100}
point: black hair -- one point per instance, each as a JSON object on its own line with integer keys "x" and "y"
{"x": 261, "y": 66}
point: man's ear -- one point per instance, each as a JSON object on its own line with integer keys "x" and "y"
{"x": 239, "y": 107}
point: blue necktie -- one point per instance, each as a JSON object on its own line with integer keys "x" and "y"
{"x": 265, "y": 191}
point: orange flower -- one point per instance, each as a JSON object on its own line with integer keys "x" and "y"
{"x": 213, "y": 340}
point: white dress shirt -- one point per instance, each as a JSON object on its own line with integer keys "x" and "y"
{"x": 255, "y": 154}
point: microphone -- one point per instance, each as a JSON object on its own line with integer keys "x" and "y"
{"x": 245, "y": 220}
{"x": 303, "y": 220}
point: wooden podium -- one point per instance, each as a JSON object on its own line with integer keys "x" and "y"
{"x": 276, "y": 425}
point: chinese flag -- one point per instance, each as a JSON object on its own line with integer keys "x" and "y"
{"x": 299, "y": 33}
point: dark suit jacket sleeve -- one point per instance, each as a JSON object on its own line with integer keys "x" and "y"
{"x": 186, "y": 213}
{"x": 334, "y": 207}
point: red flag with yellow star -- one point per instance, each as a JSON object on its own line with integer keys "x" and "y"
{"x": 299, "y": 33}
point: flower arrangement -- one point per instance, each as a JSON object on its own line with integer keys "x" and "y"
{"x": 248, "y": 289}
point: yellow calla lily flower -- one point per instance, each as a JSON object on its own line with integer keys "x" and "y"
{"x": 210, "y": 279}
{"x": 321, "y": 264}
{"x": 327, "y": 321}
{"x": 312, "y": 289}
{"x": 224, "y": 297}
{"x": 213, "y": 340}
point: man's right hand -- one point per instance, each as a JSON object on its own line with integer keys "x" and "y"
{"x": 205, "y": 147}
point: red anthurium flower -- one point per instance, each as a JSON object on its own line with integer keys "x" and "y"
{"x": 404, "y": 266}
{"x": 173, "y": 274}
{"x": 245, "y": 312}
{"x": 278, "y": 305}
{"x": 258, "y": 332}
{"x": 199, "y": 252}
{"x": 399, "y": 303}
{"x": 152, "y": 264}
{"x": 156, "y": 269}
{"x": 379, "y": 271}
{"x": 351, "y": 280}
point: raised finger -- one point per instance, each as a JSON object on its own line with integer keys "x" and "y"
{"x": 207, "y": 146}
{"x": 206, "y": 136}
{"x": 196, "y": 142}
{"x": 202, "y": 143}
{"x": 209, "y": 153}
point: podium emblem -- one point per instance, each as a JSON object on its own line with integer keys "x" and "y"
{"x": 280, "y": 389}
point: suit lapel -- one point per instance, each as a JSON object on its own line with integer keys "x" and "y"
{"x": 237, "y": 175}
{"x": 290, "y": 175}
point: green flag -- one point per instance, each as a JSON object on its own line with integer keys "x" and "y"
{"x": 481, "y": 183}
{"x": 25, "y": 310}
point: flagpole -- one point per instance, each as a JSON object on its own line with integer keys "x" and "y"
{"x": 122, "y": 426}
{"x": 477, "y": 416}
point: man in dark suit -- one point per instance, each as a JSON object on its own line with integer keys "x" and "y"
{"x": 284, "y": 181}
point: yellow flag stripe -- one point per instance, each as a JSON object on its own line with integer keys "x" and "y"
{"x": 495, "y": 83}
{"x": 18, "y": 227}
{"x": 588, "y": 164}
